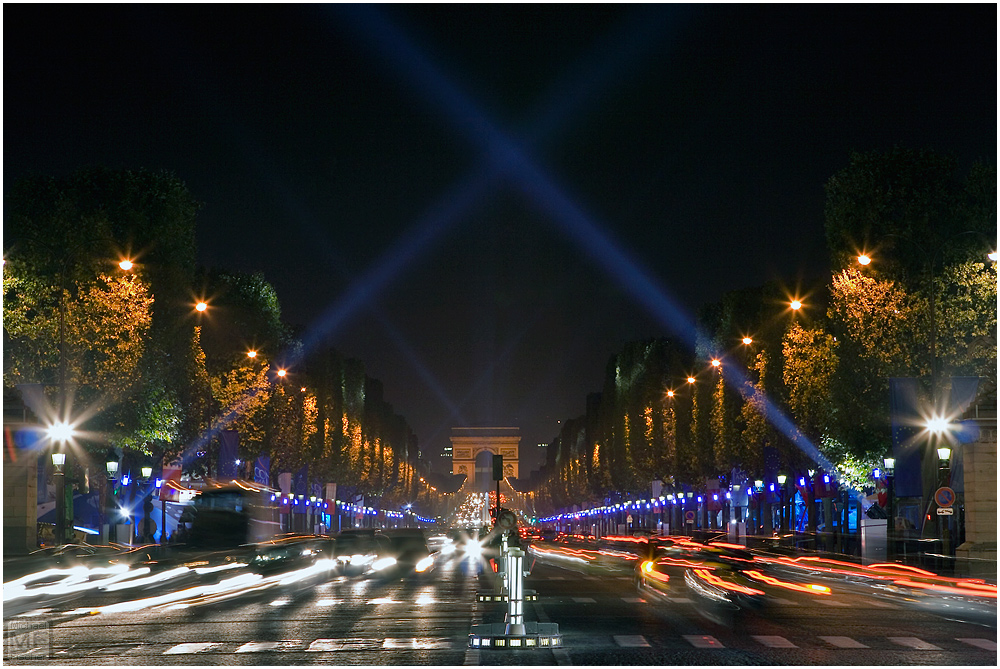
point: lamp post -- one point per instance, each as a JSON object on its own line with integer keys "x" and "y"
{"x": 58, "y": 460}
{"x": 147, "y": 503}
{"x": 163, "y": 510}
{"x": 112, "y": 466}
{"x": 944, "y": 530}
{"x": 890, "y": 469}
{"x": 782, "y": 478}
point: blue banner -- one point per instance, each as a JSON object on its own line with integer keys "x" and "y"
{"x": 906, "y": 449}
{"x": 300, "y": 481}
{"x": 229, "y": 451}
{"x": 262, "y": 470}
{"x": 963, "y": 393}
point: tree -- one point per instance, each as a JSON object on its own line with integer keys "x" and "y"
{"x": 64, "y": 235}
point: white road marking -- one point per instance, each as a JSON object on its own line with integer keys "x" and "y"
{"x": 184, "y": 648}
{"x": 985, "y": 644}
{"x": 843, "y": 642}
{"x": 584, "y": 600}
{"x": 679, "y": 600}
{"x": 912, "y": 642}
{"x": 775, "y": 641}
{"x": 634, "y": 600}
{"x": 631, "y": 641}
{"x": 783, "y": 602}
{"x": 257, "y": 646}
{"x": 703, "y": 641}
{"x": 421, "y": 643}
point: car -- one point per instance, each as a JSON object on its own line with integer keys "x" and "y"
{"x": 354, "y": 552}
{"x": 402, "y": 553}
{"x": 290, "y": 552}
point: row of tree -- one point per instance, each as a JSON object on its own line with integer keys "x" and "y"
{"x": 141, "y": 371}
{"x": 924, "y": 305}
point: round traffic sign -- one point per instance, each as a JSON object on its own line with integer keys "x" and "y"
{"x": 944, "y": 497}
{"x": 689, "y": 516}
{"x": 507, "y": 520}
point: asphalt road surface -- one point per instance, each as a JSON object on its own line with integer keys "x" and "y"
{"x": 603, "y": 620}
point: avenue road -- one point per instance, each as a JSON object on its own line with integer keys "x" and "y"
{"x": 602, "y": 618}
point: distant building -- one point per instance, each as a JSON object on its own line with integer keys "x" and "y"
{"x": 471, "y": 442}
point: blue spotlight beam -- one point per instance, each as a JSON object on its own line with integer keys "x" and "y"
{"x": 511, "y": 159}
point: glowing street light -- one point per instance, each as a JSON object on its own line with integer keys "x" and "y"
{"x": 690, "y": 379}
{"x": 126, "y": 264}
{"x": 747, "y": 341}
{"x": 944, "y": 453}
{"x": 251, "y": 354}
{"x": 716, "y": 362}
{"x": 992, "y": 255}
{"x": 864, "y": 259}
{"x": 937, "y": 425}
{"x": 60, "y": 432}
{"x": 201, "y": 306}
{"x": 795, "y": 305}
{"x": 282, "y": 373}
{"x": 670, "y": 393}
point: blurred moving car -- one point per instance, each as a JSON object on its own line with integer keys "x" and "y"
{"x": 714, "y": 574}
{"x": 290, "y": 552}
{"x": 402, "y": 553}
{"x": 354, "y": 552}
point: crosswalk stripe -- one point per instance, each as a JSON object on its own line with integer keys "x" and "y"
{"x": 985, "y": 644}
{"x": 679, "y": 600}
{"x": 622, "y": 640}
{"x": 185, "y": 648}
{"x": 775, "y": 641}
{"x": 703, "y": 641}
{"x": 584, "y": 600}
{"x": 557, "y": 578}
{"x": 257, "y": 646}
{"x": 912, "y": 642}
{"x": 843, "y": 642}
{"x": 417, "y": 643}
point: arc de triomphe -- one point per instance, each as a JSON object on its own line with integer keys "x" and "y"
{"x": 469, "y": 442}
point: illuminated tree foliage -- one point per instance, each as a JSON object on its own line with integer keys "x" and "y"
{"x": 810, "y": 363}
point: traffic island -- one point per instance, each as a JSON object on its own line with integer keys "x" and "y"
{"x": 504, "y": 636}
{"x": 514, "y": 632}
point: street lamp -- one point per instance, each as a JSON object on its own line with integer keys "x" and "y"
{"x": 784, "y": 515}
{"x": 890, "y": 469}
{"x": 112, "y": 466}
{"x": 58, "y": 461}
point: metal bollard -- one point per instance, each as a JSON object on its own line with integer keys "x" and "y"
{"x": 515, "y": 591}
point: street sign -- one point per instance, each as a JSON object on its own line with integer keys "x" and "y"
{"x": 945, "y": 511}
{"x": 628, "y": 518}
{"x": 944, "y": 497}
{"x": 689, "y": 517}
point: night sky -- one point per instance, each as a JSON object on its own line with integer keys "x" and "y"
{"x": 361, "y": 159}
